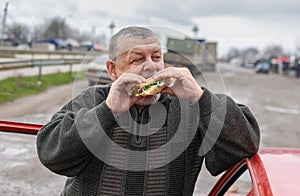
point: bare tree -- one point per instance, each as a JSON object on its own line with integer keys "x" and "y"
{"x": 37, "y": 33}
{"x": 53, "y": 28}
{"x": 56, "y": 28}
{"x": 233, "y": 52}
{"x": 82, "y": 36}
{"x": 251, "y": 51}
{"x": 19, "y": 32}
{"x": 273, "y": 50}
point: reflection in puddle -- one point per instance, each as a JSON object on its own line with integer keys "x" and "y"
{"x": 13, "y": 151}
{"x": 281, "y": 110}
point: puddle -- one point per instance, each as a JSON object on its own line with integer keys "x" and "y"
{"x": 13, "y": 151}
{"x": 12, "y": 165}
{"x": 282, "y": 110}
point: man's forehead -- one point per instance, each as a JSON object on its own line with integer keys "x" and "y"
{"x": 136, "y": 44}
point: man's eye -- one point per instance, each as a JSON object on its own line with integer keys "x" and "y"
{"x": 156, "y": 57}
{"x": 138, "y": 60}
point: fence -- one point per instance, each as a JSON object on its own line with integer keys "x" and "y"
{"x": 36, "y": 58}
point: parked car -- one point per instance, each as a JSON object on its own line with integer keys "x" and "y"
{"x": 262, "y": 68}
{"x": 273, "y": 171}
{"x": 249, "y": 61}
{"x": 96, "y": 72}
{"x": 23, "y": 47}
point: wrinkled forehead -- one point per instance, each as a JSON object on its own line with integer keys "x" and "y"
{"x": 129, "y": 44}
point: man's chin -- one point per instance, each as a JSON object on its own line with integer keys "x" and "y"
{"x": 149, "y": 100}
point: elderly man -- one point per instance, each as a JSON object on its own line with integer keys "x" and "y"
{"x": 108, "y": 141}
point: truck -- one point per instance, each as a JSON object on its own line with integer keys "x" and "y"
{"x": 197, "y": 55}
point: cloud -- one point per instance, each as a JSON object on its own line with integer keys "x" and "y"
{"x": 181, "y": 11}
{"x": 230, "y": 22}
{"x": 40, "y": 10}
{"x": 148, "y": 12}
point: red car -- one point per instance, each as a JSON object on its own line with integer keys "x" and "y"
{"x": 272, "y": 171}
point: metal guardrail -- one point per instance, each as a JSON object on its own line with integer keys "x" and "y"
{"x": 61, "y": 58}
{"x": 39, "y": 52}
{"x": 15, "y": 64}
{"x": 40, "y": 63}
{"x": 8, "y": 65}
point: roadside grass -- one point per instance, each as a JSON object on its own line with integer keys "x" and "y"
{"x": 20, "y": 86}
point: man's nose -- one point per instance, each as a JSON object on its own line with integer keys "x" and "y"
{"x": 150, "y": 65}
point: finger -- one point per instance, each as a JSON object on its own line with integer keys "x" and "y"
{"x": 171, "y": 72}
{"x": 139, "y": 77}
{"x": 127, "y": 78}
{"x": 132, "y": 75}
{"x": 133, "y": 99}
{"x": 168, "y": 91}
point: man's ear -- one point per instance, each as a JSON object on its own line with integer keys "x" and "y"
{"x": 111, "y": 69}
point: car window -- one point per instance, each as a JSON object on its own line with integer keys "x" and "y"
{"x": 236, "y": 181}
{"x": 242, "y": 186}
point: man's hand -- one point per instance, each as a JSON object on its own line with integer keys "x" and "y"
{"x": 118, "y": 99}
{"x": 185, "y": 85}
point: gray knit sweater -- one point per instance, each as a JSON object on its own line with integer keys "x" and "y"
{"x": 72, "y": 144}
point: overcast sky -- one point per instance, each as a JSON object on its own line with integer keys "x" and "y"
{"x": 231, "y": 23}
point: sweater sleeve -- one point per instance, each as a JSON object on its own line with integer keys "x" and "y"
{"x": 62, "y": 143}
{"x": 229, "y": 132}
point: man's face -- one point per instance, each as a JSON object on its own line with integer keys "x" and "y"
{"x": 145, "y": 56}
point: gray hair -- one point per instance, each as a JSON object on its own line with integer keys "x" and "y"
{"x": 128, "y": 32}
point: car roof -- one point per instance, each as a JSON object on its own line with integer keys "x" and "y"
{"x": 282, "y": 168}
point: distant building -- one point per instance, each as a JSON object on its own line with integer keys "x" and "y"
{"x": 197, "y": 55}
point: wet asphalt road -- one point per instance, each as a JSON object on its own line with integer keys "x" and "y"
{"x": 274, "y": 100}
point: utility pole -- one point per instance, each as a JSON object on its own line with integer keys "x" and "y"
{"x": 112, "y": 27}
{"x": 4, "y": 23}
{"x": 195, "y": 30}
